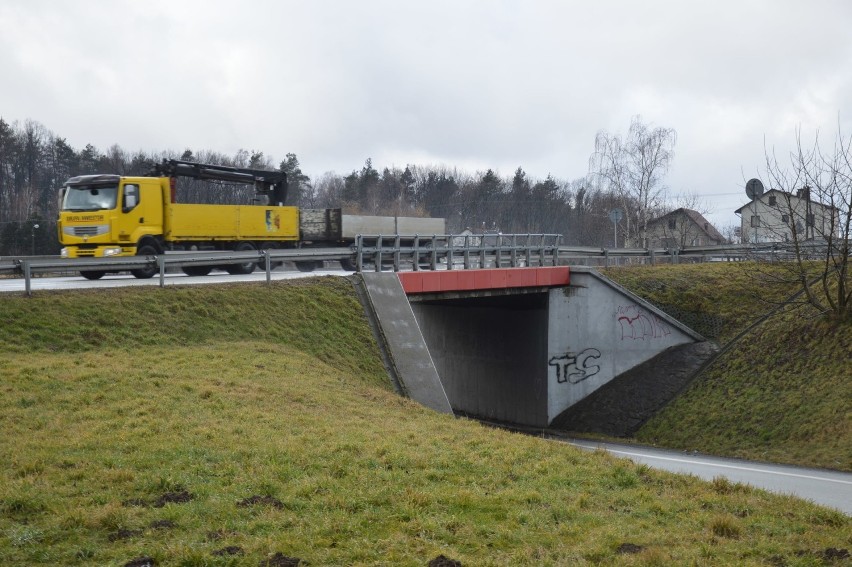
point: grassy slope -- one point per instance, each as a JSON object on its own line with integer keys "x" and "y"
{"x": 218, "y": 395}
{"x": 781, "y": 393}
{"x": 315, "y": 319}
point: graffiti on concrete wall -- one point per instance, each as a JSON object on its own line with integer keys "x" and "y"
{"x": 638, "y": 324}
{"x": 577, "y": 367}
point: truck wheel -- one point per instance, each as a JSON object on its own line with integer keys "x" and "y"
{"x": 242, "y": 269}
{"x": 348, "y": 264}
{"x": 92, "y": 274}
{"x": 196, "y": 270}
{"x": 306, "y": 265}
{"x": 148, "y": 271}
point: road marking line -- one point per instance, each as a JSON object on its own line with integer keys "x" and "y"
{"x": 705, "y": 463}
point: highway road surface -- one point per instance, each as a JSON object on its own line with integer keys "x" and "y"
{"x": 124, "y": 280}
{"x": 828, "y": 488}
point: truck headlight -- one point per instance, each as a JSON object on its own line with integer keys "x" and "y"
{"x": 112, "y": 251}
{"x": 63, "y": 253}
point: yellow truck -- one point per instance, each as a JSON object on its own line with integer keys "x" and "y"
{"x": 110, "y": 215}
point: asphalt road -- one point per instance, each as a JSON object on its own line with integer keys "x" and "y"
{"x": 828, "y": 488}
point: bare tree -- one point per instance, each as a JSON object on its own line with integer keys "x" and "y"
{"x": 633, "y": 168}
{"x": 329, "y": 190}
{"x": 732, "y": 233}
{"x": 813, "y": 199}
{"x": 115, "y": 160}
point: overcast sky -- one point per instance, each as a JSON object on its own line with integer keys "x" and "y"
{"x": 468, "y": 84}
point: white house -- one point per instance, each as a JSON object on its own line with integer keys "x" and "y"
{"x": 774, "y": 215}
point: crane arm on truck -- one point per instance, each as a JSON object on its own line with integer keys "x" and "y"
{"x": 270, "y": 183}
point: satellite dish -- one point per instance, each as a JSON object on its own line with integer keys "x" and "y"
{"x": 754, "y": 189}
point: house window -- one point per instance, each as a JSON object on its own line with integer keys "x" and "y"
{"x": 811, "y": 219}
{"x": 672, "y": 224}
{"x": 755, "y": 221}
{"x": 772, "y": 200}
{"x": 785, "y": 219}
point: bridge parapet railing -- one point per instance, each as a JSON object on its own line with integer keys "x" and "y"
{"x": 454, "y": 251}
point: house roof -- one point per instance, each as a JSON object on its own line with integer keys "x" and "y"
{"x": 696, "y": 217}
{"x": 779, "y": 192}
{"x": 760, "y": 198}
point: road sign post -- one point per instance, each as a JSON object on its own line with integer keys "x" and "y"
{"x": 615, "y": 215}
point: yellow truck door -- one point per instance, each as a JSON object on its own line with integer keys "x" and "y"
{"x": 141, "y": 210}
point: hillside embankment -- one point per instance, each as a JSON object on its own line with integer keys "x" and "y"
{"x": 779, "y": 392}
{"x": 254, "y": 425}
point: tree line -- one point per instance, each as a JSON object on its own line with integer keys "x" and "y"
{"x": 624, "y": 173}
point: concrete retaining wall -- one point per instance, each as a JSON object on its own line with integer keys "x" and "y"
{"x": 597, "y": 330}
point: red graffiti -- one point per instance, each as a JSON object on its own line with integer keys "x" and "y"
{"x": 636, "y": 324}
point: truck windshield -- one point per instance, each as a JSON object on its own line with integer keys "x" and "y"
{"x": 90, "y": 198}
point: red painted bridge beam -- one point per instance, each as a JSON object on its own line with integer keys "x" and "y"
{"x": 471, "y": 280}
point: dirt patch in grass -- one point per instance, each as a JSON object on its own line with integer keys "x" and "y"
{"x": 216, "y": 535}
{"x": 173, "y": 497}
{"x": 260, "y": 501}
{"x": 230, "y": 550}
{"x": 629, "y": 548}
{"x": 442, "y": 561}
{"x": 832, "y": 553}
{"x": 178, "y": 497}
{"x": 162, "y": 525}
{"x": 280, "y": 560}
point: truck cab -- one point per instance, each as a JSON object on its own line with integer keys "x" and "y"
{"x": 108, "y": 215}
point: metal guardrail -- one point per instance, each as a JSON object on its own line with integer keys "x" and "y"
{"x": 448, "y": 251}
{"x": 416, "y": 252}
{"x": 268, "y": 258}
{"x": 8, "y": 266}
{"x": 769, "y": 251}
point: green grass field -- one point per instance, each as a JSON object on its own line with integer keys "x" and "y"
{"x": 246, "y": 424}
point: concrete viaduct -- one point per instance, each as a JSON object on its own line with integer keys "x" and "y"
{"x": 545, "y": 347}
